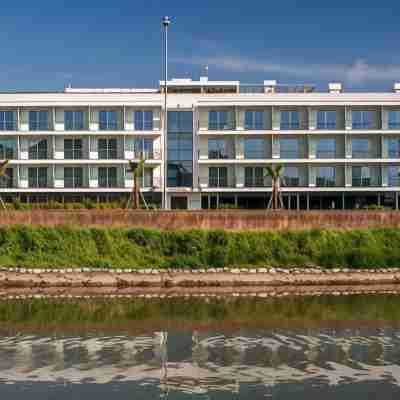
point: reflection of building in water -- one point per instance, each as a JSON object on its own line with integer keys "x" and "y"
{"x": 213, "y": 362}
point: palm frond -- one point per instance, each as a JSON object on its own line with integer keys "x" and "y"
{"x": 269, "y": 172}
{"x": 279, "y": 170}
{"x": 3, "y": 167}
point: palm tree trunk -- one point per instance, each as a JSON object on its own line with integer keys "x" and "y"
{"x": 275, "y": 195}
{"x": 136, "y": 193}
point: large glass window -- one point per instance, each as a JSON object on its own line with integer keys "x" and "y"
{"x": 326, "y": 148}
{"x": 218, "y": 149}
{"x": 255, "y": 148}
{"x": 74, "y": 120}
{"x": 8, "y": 121}
{"x": 393, "y": 147}
{"x": 143, "y": 120}
{"x": 107, "y": 148}
{"x": 109, "y": 120}
{"x": 290, "y": 176}
{"x": 6, "y": 181}
{"x": 361, "y": 148}
{"x": 254, "y": 177}
{"x": 363, "y": 119}
{"x": 145, "y": 180}
{"x": 326, "y": 119}
{"x": 180, "y": 149}
{"x": 290, "y": 148}
{"x": 394, "y": 175}
{"x": 394, "y": 119}
{"x": 290, "y": 120}
{"x": 73, "y": 149}
{"x": 73, "y": 177}
{"x": 108, "y": 177}
{"x": 39, "y": 121}
{"x": 37, "y": 177}
{"x": 37, "y": 149}
{"x": 361, "y": 176}
{"x": 221, "y": 120}
{"x": 8, "y": 149}
{"x": 254, "y": 120}
{"x": 326, "y": 176}
{"x": 218, "y": 177}
{"x": 143, "y": 147}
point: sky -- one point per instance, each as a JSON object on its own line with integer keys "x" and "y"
{"x": 48, "y": 44}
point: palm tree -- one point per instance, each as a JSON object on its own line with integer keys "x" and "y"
{"x": 136, "y": 168}
{"x": 3, "y": 175}
{"x": 275, "y": 174}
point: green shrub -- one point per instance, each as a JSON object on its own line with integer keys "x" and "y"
{"x": 68, "y": 246}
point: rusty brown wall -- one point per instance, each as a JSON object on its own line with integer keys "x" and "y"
{"x": 231, "y": 220}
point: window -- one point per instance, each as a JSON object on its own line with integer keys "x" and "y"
{"x": 326, "y": 120}
{"x": 107, "y": 148}
{"x": 255, "y": 148}
{"x": 326, "y": 148}
{"x": 74, "y": 120}
{"x": 363, "y": 119}
{"x": 109, "y": 121}
{"x": 37, "y": 177}
{"x": 254, "y": 177}
{"x": 218, "y": 177}
{"x": 326, "y": 176}
{"x": 8, "y": 121}
{"x": 394, "y": 119}
{"x": 290, "y": 177}
{"x": 361, "y": 148}
{"x": 39, "y": 121}
{"x": 290, "y": 120}
{"x": 393, "y": 147}
{"x": 289, "y": 148}
{"x": 143, "y": 147}
{"x": 394, "y": 176}
{"x": 180, "y": 149}
{"x": 361, "y": 176}
{"x": 37, "y": 149}
{"x": 145, "y": 180}
{"x": 73, "y": 149}
{"x": 73, "y": 177}
{"x": 254, "y": 120}
{"x": 221, "y": 120}
{"x": 218, "y": 149}
{"x": 107, "y": 177}
{"x": 6, "y": 181}
{"x": 143, "y": 120}
{"x": 8, "y": 149}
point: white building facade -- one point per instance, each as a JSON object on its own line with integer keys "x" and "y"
{"x": 339, "y": 150}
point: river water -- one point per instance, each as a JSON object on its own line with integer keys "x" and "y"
{"x": 330, "y": 361}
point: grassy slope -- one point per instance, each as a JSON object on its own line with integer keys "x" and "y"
{"x": 24, "y": 246}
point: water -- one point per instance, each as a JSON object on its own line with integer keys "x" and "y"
{"x": 345, "y": 359}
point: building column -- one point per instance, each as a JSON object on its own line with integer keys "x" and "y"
{"x": 343, "y": 199}
{"x": 298, "y": 201}
{"x": 396, "y": 196}
{"x": 308, "y": 201}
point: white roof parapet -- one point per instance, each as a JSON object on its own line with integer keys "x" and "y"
{"x": 201, "y": 82}
{"x": 396, "y": 87}
{"x": 109, "y": 90}
{"x": 335, "y": 87}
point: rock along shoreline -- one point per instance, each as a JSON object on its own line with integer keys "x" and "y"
{"x": 194, "y": 278}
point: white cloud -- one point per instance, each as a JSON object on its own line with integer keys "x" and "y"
{"x": 359, "y": 71}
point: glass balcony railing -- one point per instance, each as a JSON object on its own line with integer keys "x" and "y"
{"x": 219, "y": 155}
{"x": 325, "y": 182}
{"x": 365, "y": 182}
{"x": 290, "y": 181}
{"x": 254, "y": 182}
{"x": 217, "y": 183}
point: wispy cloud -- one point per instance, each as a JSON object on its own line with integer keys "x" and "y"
{"x": 359, "y": 71}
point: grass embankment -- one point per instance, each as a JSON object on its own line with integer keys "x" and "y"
{"x": 176, "y": 313}
{"x": 65, "y": 247}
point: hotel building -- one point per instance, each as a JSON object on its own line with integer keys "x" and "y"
{"x": 340, "y": 150}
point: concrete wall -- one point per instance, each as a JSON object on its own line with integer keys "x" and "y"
{"x": 231, "y": 220}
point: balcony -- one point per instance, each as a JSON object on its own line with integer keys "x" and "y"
{"x": 326, "y": 181}
{"x": 365, "y": 182}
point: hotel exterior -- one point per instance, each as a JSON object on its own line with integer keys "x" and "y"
{"x": 340, "y": 150}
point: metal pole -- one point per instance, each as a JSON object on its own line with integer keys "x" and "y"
{"x": 166, "y": 21}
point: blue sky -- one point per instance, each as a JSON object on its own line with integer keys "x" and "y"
{"x": 46, "y": 44}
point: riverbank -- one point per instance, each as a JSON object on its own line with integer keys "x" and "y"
{"x": 196, "y": 278}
